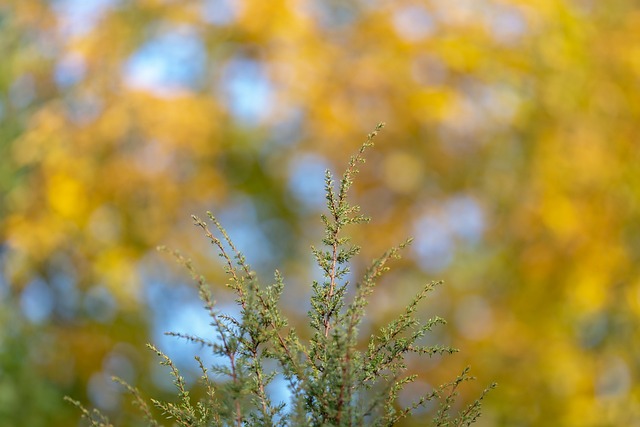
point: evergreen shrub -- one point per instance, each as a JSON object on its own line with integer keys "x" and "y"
{"x": 333, "y": 381}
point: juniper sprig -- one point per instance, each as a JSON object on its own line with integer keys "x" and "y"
{"x": 333, "y": 381}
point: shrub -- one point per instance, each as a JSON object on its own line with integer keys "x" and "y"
{"x": 333, "y": 381}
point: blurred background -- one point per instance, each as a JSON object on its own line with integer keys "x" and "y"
{"x": 510, "y": 154}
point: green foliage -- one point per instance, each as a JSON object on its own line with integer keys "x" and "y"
{"x": 333, "y": 381}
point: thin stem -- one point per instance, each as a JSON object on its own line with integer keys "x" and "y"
{"x": 261, "y": 391}
{"x": 332, "y": 277}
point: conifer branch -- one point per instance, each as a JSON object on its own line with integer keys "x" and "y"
{"x": 333, "y": 383}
